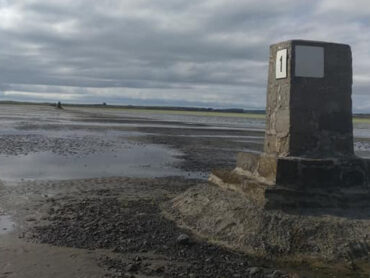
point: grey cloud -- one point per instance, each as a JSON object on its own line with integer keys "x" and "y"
{"x": 170, "y": 50}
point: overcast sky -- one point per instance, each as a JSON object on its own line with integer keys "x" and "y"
{"x": 209, "y": 53}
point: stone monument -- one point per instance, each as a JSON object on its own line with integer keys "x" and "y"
{"x": 308, "y": 158}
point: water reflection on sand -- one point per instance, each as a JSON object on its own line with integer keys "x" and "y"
{"x": 132, "y": 161}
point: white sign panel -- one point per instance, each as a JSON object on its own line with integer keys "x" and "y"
{"x": 281, "y": 62}
{"x": 309, "y": 61}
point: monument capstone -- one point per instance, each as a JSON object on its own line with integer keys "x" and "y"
{"x": 308, "y": 158}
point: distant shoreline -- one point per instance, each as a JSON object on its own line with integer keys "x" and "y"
{"x": 201, "y": 111}
{"x": 144, "y": 107}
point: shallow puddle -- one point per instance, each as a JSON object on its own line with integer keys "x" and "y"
{"x": 133, "y": 161}
{"x": 6, "y": 224}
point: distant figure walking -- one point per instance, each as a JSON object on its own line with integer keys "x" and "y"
{"x": 59, "y": 105}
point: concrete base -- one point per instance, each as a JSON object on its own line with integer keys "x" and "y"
{"x": 319, "y": 237}
{"x": 295, "y": 182}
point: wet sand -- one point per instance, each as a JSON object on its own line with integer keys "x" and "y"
{"x": 81, "y": 192}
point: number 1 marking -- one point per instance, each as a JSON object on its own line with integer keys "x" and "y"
{"x": 281, "y": 63}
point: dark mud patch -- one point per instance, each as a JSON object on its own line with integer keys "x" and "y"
{"x": 203, "y": 154}
{"x": 146, "y": 243}
{"x": 31, "y": 143}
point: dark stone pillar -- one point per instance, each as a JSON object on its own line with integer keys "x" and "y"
{"x": 309, "y": 108}
{"x": 308, "y": 158}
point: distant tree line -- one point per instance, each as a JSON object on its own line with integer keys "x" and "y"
{"x": 174, "y": 108}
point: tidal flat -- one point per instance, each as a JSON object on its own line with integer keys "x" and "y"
{"x": 83, "y": 187}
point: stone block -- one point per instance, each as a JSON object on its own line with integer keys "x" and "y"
{"x": 287, "y": 172}
{"x": 267, "y": 167}
{"x": 247, "y": 161}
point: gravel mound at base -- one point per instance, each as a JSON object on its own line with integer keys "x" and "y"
{"x": 228, "y": 218}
